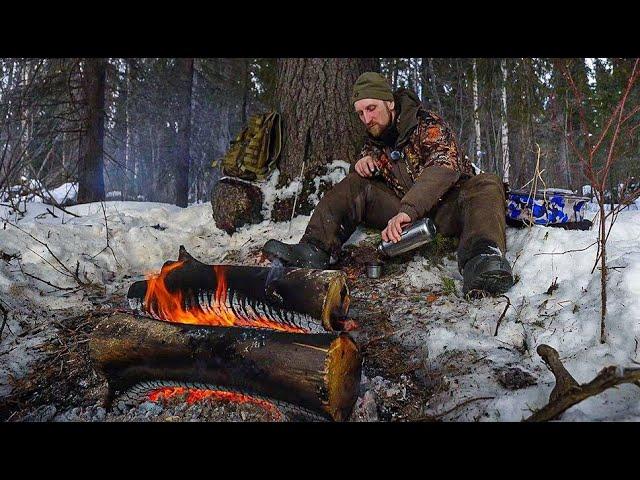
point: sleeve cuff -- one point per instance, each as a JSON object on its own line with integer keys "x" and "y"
{"x": 409, "y": 210}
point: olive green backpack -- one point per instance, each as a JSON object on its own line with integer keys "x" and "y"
{"x": 254, "y": 152}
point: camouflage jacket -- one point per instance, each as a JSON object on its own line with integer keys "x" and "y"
{"x": 430, "y": 162}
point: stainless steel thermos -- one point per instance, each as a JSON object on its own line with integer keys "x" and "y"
{"x": 418, "y": 234}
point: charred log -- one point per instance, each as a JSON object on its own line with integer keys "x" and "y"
{"x": 320, "y": 373}
{"x": 303, "y": 299}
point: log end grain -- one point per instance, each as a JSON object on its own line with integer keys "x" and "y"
{"x": 336, "y": 301}
{"x": 343, "y": 371}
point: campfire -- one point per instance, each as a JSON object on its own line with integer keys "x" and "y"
{"x": 222, "y": 307}
{"x": 268, "y": 336}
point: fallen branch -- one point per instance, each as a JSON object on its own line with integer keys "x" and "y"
{"x": 568, "y": 251}
{"x": 68, "y": 273}
{"x": 43, "y": 281}
{"x": 503, "y": 314}
{"x": 568, "y": 392}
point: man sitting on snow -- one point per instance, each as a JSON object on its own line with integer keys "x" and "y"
{"x": 410, "y": 167}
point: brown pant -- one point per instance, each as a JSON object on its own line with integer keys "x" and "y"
{"x": 473, "y": 210}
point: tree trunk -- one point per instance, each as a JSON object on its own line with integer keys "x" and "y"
{"x": 185, "y": 73}
{"x": 320, "y": 372}
{"x": 564, "y": 148}
{"x": 602, "y": 240}
{"x": 434, "y": 86}
{"x": 246, "y": 87}
{"x": 424, "y": 82}
{"x": 130, "y": 159}
{"x": 505, "y": 126}
{"x": 314, "y": 97}
{"x": 90, "y": 171}
{"x": 476, "y": 116}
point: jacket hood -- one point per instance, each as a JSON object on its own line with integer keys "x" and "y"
{"x": 407, "y": 119}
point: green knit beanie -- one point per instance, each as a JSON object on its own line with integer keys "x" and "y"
{"x": 371, "y": 85}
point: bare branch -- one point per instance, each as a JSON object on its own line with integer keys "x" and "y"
{"x": 44, "y": 281}
{"x": 568, "y": 392}
{"x": 108, "y": 247}
{"x": 75, "y": 275}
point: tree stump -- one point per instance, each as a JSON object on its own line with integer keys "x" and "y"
{"x": 236, "y": 203}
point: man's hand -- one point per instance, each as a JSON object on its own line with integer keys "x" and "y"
{"x": 394, "y": 227}
{"x": 365, "y": 166}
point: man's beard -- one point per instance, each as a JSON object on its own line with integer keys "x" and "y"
{"x": 377, "y": 130}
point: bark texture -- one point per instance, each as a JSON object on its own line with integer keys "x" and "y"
{"x": 236, "y": 203}
{"x": 90, "y": 171}
{"x": 319, "y": 372}
{"x": 314, "y": 97}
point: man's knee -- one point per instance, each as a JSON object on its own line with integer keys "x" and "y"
{"x": 485, "y": 187}
{"x": 350, "y": 187}
{"x": 354, "y": 179}
{"x": 485, "y": 182}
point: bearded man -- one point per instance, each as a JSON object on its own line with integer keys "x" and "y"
{"x": 409, "y": 168}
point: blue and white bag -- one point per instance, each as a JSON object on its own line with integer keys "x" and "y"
{"x": 550, "y": 207}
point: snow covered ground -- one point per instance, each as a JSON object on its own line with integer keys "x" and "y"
{"x": 449, "y": 333}
{"x": 461, "y": 334}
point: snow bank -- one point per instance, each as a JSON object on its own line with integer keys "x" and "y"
{"x": 35, "y": 191}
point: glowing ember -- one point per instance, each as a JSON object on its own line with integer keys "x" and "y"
{"x": 194, "y": 395}
{"x": 169, "y": 306}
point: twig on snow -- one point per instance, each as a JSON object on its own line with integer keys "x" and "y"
{"x": 504, "y": 312}
{"x": 44, "y": 281}
{"x": 568, "y": 251}
{"x": 5, "y": 314}
{"x": 69, "y": 273}
{"x": 456, "y": 407}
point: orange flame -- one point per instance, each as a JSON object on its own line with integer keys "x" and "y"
{"x": 196, "y": 395}
{"x": 170, "y": 306}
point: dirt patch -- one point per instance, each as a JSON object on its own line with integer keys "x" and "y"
{"x": 63, "y": 377}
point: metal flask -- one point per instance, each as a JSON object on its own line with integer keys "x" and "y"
{"x": 415, "y": 236}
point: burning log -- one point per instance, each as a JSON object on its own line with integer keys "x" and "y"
{"x": 320, "y": 372}
{"x": 291, "y": 299}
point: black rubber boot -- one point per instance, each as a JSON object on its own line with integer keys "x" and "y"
{"x": 303, "y": 255}
{"x": 487, "y": 272}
